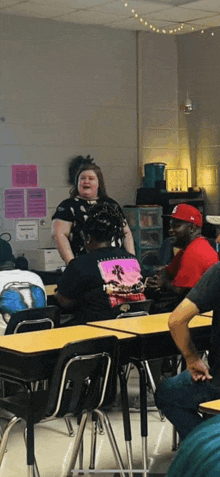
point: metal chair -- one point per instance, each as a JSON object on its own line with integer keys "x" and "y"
{"x": 82, "y": 381}
{"x": 36, "y": 319}
{"x": 136, "y": 309}
{"x": 33, "y": 319}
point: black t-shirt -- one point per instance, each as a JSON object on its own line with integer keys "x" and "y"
{"x": 206, "y": 296}
{"x": 100, "y": 281}
{"x": 76, "y": 210}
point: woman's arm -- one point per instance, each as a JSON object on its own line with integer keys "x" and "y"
{"x": 128, "y": 239}
{"x": 60, "y": 232}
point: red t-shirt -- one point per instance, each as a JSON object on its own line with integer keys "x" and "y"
{"x": 188, "y": 265}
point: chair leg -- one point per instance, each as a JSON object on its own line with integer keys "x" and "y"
{"x": 100, "y": 427}
{"x": 153, "y": 386}
{"x": 128, "y": 370}
{"x": 175, "y": 442}
{"x": 69, "y": 426}
{"x": 1, "y": 433}
{"x": 93, "y": 441}
{"x": 77, "y": 444}
{"x": 5, "y": 436}
{"x": 112, "y": 440}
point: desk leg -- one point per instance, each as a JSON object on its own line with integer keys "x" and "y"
{"x": 126, "y": 416}
{"x": 143, "y": 413}
{"x": 30, "y": 447}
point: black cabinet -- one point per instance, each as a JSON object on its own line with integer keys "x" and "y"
{"x": 168, "y": 200}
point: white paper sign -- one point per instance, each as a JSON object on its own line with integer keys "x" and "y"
{"x": 26, "y": 230}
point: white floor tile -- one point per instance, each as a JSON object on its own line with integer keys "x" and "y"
{"x": 53, "y": 446}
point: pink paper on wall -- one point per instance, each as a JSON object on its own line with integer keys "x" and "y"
{"x": 24, "y": 175}
{"x": 36, "y": 203}
{"x": 14, "y": 203}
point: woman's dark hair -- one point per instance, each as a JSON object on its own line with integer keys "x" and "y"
{"x": 89, "y": 167}
{"x": 105, "y": 223}
{"x": 74, "y": 165}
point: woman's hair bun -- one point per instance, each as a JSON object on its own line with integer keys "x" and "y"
{"x": 75, "y": 164}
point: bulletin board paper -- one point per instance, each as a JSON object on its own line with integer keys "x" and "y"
{"x": 36, "y": 203}
{"x": 14, "y": 203}
{"x": 26, "y": 230}
{"x": 24, "y": 175}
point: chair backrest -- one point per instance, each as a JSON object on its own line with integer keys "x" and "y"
{"x": 84, "y": 377}
{"x": 33, "y": 319}
{"x": 137, "y": 308}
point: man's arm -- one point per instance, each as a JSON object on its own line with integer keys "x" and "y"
{"x": 63, "y": 301}
{"x": 163, "y": 280}
{"x": 178, "y": 324}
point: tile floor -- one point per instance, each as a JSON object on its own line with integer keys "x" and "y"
{"x": 53, "y": 446}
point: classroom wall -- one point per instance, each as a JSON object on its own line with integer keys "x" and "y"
{"x": 158, "y": 100}
{"x": 71, "y": 89}
{"x": 67, "y": 89}
{"x": 199, "y": 132}
{"x": 170, "y": 66}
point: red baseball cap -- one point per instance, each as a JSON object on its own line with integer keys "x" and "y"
{"x": 187, "y": 213}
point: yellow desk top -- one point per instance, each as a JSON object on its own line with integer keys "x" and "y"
{"x": 212, "y": 406}
{"x": 208, "y": 313}
{"x": 50, "y": 289}
{"x": 48, "y": 340}
{"x": 147, "y": 324}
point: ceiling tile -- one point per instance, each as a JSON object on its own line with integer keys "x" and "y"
{"x": 180, "y": 15}
{"x": 39, "y": 10}
{"x": 161, "y": 13}
{"x": 89, "y": 16}
{"x": 206, "y": 5}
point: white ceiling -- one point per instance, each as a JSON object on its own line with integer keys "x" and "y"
{"x": 168, "y": 15}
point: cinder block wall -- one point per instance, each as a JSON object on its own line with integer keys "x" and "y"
{"x": 169, "y": 67}
{"x": 199, "y": 132}
{"x": 71, "y": 89}
{"x": 158, "y": 100}
{"x": 67, "y": 89}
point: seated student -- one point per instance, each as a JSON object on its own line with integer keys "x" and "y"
{"x": 94, "y": 284}
{"x": 19, "y": 289}
{"x": 179, "y": 397}
{"x": 174, "y": 281}
{"x": 199, "y": 454}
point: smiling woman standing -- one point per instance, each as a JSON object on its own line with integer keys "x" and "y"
{"x": 70, "y": 216}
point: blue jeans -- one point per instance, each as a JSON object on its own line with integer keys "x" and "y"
{"x": 179, "y": 398}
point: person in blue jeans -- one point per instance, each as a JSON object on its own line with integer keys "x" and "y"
{"x": 179, "y": 397}
{"x": 198, "y": 455}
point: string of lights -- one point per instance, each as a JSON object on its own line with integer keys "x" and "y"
{"x": 152, "y": 27}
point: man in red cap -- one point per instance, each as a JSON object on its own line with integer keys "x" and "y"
{"x": 195, "y": 256}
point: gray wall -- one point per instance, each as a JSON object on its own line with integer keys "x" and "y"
{"x": 71, "y": 89}
{"x": 67, "y": 89}
{"x": 199, "y": 132}
{"x": 158, "y": 100}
